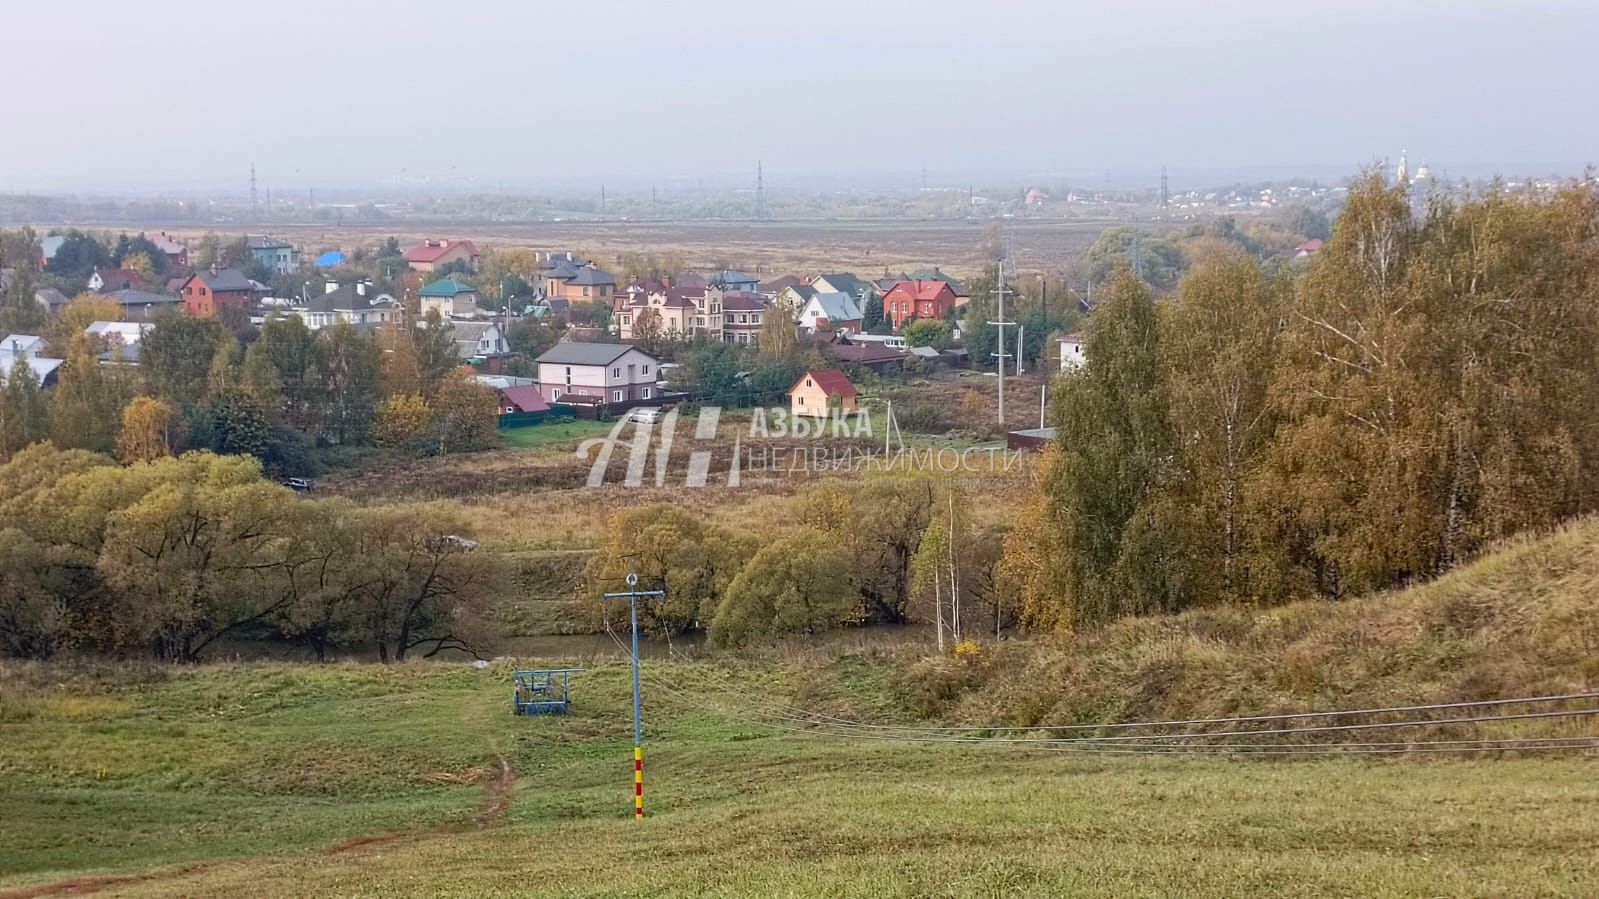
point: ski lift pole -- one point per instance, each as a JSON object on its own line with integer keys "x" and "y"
{"x": 633, "y": 595}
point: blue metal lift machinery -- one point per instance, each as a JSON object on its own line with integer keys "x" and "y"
{"x": 543, "y": 691}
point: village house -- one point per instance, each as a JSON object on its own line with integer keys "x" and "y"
{"x": 599, "y": 372}
{"x": 279, "y": 256}
{"x": 793, "y": 298}
{"x": 116, "y": 341}
{"x": 729, "y": 280}
{"x": 450, "y": 298}
{"x": 909, "y": 300}
{"x": 105, "y": 280}
{"x": 1309, "y": 248}
{"x": 934, "y": 274}
{"x": 520, "y": 399}
{"x": 177, "y": 254}
{"x": 1071, "y": 351}
{"x": 359, "y": 304}
{"x": 579, "y": 283}
{"x": 858, "y": 289}
{"x": 820, "y": 394}
{"x": 28, "y": 349}
{"x": 142, "y": 305}
{"x": 827, "y": 313}
{"x": 478, "y": 340}
{"x": 681, "y": 313}
{"x": 51, "y": 299}
{"x": 209, "y": 292}
{"x": 742, "y": 315}
{"x": 432, "y": 255}
{"x": 777, "y": 285}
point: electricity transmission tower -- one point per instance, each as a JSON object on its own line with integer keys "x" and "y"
{"x": 760, "y": 192}
{"x": 1001, "y": 324}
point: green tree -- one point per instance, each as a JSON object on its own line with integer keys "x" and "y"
{"x": 24, "y": 409}
{"x": 927, "y": 332}
{"x": 796, "y": 584}
{"x": 465, "y": 414}
{"x": 872, "y": 315}
{"x": 351, "y": 363}
{"x": 234, "y": 424}
{"x": 176, "y": 353}
{"x": 670, "y": 549}
{"x": 1111, "y": 425}
{"x": 86, "y": 405}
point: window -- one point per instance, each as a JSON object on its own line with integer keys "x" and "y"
{"x": 555, "y": 393}
{"x": 743, "y": 319}
{"x": 616, "y": 372}
{"x": 646, "y": 369}
{"x": 648, "y": 393}
{"x": 585, "y": 291}
{"x": 616, "y": 396}
{"x": 627, "y": 319}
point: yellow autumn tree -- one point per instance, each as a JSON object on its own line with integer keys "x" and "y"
{"x": 146, "y": 432}
{"x": 401, "y": 419}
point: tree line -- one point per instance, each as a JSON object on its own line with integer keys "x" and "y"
{"x": 1424, "y": 388}
{"x": 163, "y": 559}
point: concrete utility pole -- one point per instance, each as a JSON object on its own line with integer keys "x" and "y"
{"x": 633, "y": 595}
{"x": 1001, "y": 356}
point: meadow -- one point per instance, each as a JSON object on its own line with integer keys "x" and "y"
{"x": 286, "y": 780}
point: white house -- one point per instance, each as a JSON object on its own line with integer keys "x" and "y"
{"x": 599, "y": 372}
{"x": 1071, "y": 351}
{"x": 28, "y": 349}
{"x": 358, "y": 303}
{"x": 830, "y": 312}
{"x": 478, "y": 339}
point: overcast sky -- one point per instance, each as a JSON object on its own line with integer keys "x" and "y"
{"x": 637, "y": 92}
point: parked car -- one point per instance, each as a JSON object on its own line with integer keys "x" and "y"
{"x": 301, "y": 485}
{"x": 647, "y": 415}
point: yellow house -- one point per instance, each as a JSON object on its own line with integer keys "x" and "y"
{"x": 819, "y": 393}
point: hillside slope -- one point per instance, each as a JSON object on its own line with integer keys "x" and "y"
{"x": 1522, "y": 621}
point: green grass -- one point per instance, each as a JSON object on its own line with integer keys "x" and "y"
{"x": 254, "y": 771}
{"x": 273, "y": 779}
{"x": 557, "y": 434}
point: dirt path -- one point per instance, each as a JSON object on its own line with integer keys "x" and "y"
{"x": 496, "y": 802}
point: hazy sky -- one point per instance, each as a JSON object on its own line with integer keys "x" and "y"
{"x": 115, "y": 94}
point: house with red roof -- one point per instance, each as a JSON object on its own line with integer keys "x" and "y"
{"x": 908, "y": 300}
{"x": 823, "y": 393}
{"x": 1309, "y": 248}
{"x": 521, "y": 400}
{"x": 433, "y": 255}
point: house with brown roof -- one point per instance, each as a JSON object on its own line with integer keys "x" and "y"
{"x": 824, "y": 393}
{"x": 177, "y": 254}
{"x": 680, "y": 313}
{"x": 568, "y": 280}
{"x": 106, "y": 280}
{"x": 432, "y": 255}
{"x": 743, "y": 314}
{"x": 909, "y": 300}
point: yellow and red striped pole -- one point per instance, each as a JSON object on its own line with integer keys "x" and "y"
{"x": 638, "y": 783}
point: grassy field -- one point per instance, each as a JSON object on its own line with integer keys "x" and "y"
{"x": 281, "y": 780}
{"x": 566, "y": 433}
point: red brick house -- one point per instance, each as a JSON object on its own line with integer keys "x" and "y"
{"x": 908, "y": 300}
{"x": 207, "y": 292}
